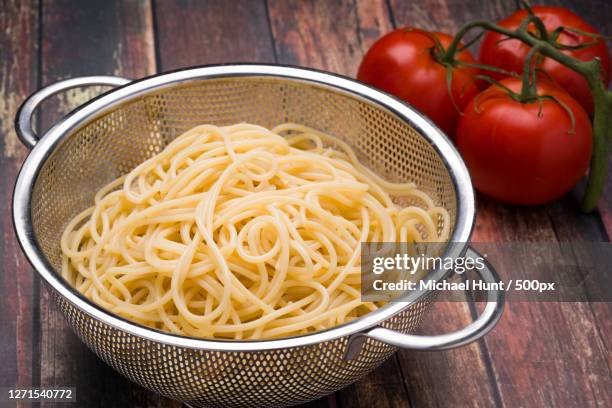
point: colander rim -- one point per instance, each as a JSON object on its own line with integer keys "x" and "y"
{"x": 104, "y": 103}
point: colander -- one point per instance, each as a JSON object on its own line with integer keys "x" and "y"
{"x": 111, "y": 134}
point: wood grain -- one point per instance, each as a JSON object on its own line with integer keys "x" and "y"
{"x": 459, "y": 377}
{"x": 18, "y": 78}
{"x": 571, "y": 225}
{"x": 86, "y": 38}
{"x": 543, "y": 348}
{"x": 384, "y": 388}
{"x": 318, "y": 34}
{"x": 373, "y": 21}
{"x": 605, "y": 205}
{"x": 207, "y": 32}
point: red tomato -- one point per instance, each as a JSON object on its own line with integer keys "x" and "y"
{"x": 519, "y": 154}
{"x": 404, "y": 64}
{"x": 510, "y": 55}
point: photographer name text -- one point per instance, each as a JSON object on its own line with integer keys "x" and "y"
{"x": 444, "y": 285}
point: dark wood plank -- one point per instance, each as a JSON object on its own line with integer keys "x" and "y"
{"x": 571, "y": 225}
{"x": 324, "y": 402}
{"x": 540, "y": 349}
{"x": 207, "y": 32}
{"x": 596, "y": 12}
{"x": 382, "y": 388}
{"x": 436, "y": 15}
{"x": 18, "y": 78}
{"x": 605, "y": 205}
{"x": 373, "y": 21}
{"x": 320, "y": 34}
{"x": 437, "y": 379}
{"x": 86, "y": 38}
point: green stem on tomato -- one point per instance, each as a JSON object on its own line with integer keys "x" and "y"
{"x": 590, "y": 70}
{"x": 543, "y": 33}
{"x": 602, "y": 123}
{"x": 528, "y": 87}
{"x": 449, "y": 55}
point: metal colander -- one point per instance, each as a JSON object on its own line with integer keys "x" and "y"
{"x": 113, "y": 133}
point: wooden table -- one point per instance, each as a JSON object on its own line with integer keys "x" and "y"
{"x": 540, "y": 354}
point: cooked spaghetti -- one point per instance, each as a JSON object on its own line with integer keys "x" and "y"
{"x": 241, "y": 232}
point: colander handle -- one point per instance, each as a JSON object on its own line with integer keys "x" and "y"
{"x": 485, "y": 322}
{"x": 23, "y": 121}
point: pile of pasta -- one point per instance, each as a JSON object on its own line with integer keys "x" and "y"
{"x": 241, "y": 232}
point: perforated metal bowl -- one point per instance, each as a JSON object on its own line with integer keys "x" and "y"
{"x": 111, "y": 134}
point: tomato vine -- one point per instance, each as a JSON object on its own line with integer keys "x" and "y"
{"x": 545, "y": 44}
